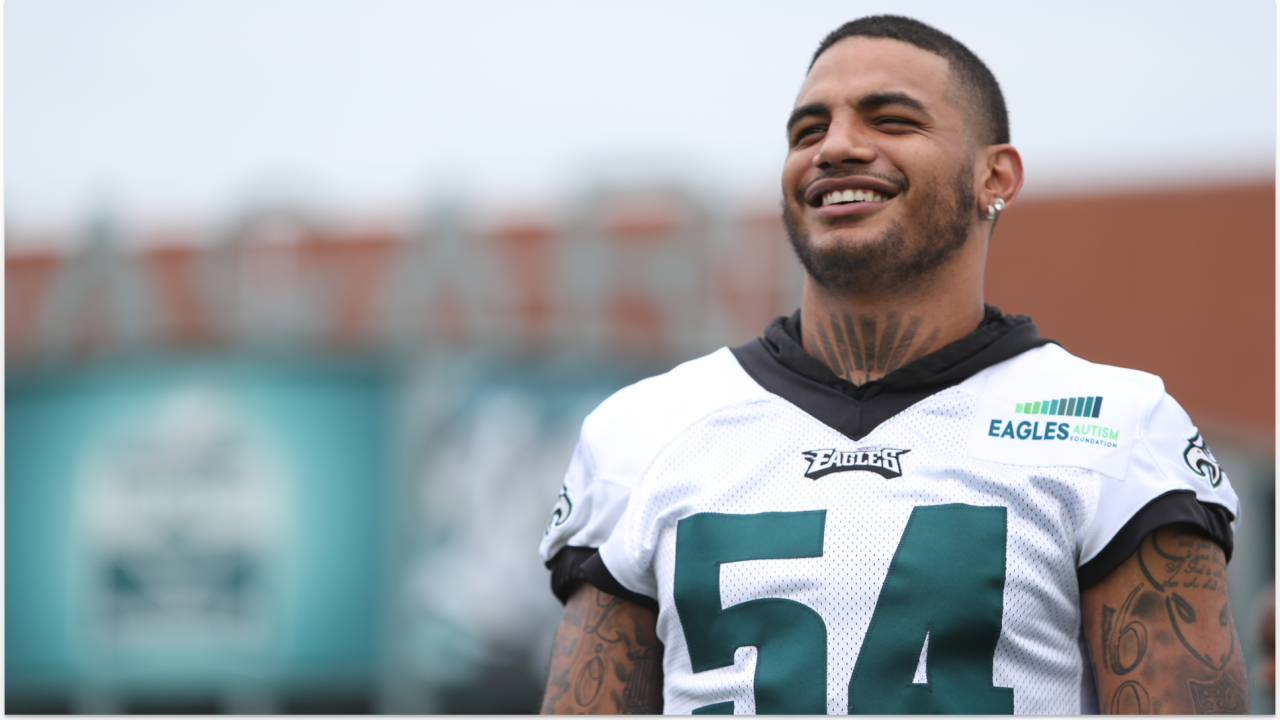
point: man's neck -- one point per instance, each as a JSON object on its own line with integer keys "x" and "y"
{"x": 863, "y": 340}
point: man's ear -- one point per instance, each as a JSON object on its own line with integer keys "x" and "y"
{"x": 1000, "y": 174}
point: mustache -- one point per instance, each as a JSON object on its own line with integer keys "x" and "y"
{"x": 898, "y": 181}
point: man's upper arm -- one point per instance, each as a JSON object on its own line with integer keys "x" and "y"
{"x": 1160, "y": 633}
{"x": 606, "y": 658}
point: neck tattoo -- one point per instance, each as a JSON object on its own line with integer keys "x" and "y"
{"x": 855, "y": 348}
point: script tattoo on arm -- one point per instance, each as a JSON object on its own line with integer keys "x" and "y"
{"x": 858, "y": 350}
{"x": 606, "y": 658}
{"x": 1160, "y": 633}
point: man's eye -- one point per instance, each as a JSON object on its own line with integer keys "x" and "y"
{"x": 807, "y": 132}
{"x": 894, "y": 121}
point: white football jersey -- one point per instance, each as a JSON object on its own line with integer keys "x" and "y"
{"x": 934, "y": 564}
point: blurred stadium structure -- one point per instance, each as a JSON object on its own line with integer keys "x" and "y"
{"x": 295, "y": 464}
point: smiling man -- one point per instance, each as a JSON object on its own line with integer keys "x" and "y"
{"x": 898, "y": 500}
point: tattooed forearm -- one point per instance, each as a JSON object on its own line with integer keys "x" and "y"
{"x": 606, "y": 658}
{"x": 867, "y": 352}
{"x": 1160, "y": 631}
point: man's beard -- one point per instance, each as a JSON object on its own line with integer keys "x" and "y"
{"x": 889, "y": 264}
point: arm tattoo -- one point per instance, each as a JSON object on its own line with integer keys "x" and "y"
{"x": 590, "y": 679}
{"x": 606, "y": 658}
{"x": 1124, "y": 649}
{"x": 1171, "y": 646}
{"x": 643, "y": 683}
{"x": 856, "y": 354}
{"x": 1130, "y": 699}
{"x": 1219, "y": 698}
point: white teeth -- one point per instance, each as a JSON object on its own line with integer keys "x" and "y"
{"x": 844, "y": 196}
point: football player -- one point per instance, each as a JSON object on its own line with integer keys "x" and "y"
{"x": 899, "y": 499}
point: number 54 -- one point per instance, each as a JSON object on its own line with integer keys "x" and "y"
{"x": 945, "y": 587}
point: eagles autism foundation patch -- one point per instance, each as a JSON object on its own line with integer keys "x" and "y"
{"x": 1067, "y": 425}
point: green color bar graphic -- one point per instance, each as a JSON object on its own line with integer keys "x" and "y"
{"x": 1062, "y": 406}
{"x": 1053, "y": 410}
{"x": 1079, "y": 406}
{"x": 1018, "y": 410}
{"x": 1071, "y": 406}
{"x": 1088, "y": 406}
{"x": 1036, "y": 409}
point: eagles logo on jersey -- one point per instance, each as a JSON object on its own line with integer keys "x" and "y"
{"x": 1200, "y": 459}
{"x": 560, "y": 511}
{"x": 882, "y": 461}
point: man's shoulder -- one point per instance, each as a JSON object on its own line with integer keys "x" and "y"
{"x": 622, "y": 437}
{"x": 1051, "y": 365}
{"x": 648, "y": 414}
{"x": 1046, "y": 407}
{"x": 681, "y": 395}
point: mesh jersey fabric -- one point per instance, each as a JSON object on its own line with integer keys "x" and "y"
{"x": 707, "y": 441}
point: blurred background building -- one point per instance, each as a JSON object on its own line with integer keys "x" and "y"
{"x": 306, "y": 302}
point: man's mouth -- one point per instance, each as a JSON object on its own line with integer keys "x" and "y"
{"x": 833, "y": 192}
{"x": 843, "y": 197}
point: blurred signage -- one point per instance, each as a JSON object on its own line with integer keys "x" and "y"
{"x": 182, "y": 512}
{"x": 648, "y": 276}
{"x": 205, "y": 526}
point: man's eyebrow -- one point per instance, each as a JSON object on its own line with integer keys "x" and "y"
{"x": 879, "y": 100}
{"x": 805, "y": 111}
{"x": 867, "y": 102}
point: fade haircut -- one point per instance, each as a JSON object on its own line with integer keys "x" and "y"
{"x": 979, "y": 87}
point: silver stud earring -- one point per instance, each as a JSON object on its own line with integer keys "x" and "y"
{"x": 996, "y": 207}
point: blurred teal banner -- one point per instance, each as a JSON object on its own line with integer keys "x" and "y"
{"x": 189, "y": 523}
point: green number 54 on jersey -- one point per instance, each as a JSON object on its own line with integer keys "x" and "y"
{"x": 939, "y": 609}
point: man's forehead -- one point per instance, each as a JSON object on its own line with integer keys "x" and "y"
{"x": 857, "y": 66}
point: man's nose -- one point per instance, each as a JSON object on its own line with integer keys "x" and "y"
{"x": 844, "y": 144}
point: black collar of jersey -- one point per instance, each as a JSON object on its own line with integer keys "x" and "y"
{"x": 780, "y": 365}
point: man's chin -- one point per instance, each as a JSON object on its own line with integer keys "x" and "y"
{"x": 847, "y": 239}
{"x": 847, "y": 261}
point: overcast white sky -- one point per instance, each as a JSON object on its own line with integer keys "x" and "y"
{"x": 161, "y": 108}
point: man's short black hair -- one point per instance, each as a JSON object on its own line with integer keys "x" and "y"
{"x": 976, "y": 80}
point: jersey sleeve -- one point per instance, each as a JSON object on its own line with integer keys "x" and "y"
{"x": 619, "y": 440}
{"x": 1172, "y": 477}
{"x": 588, "y": 506}
{"x": 582, "y": 518}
